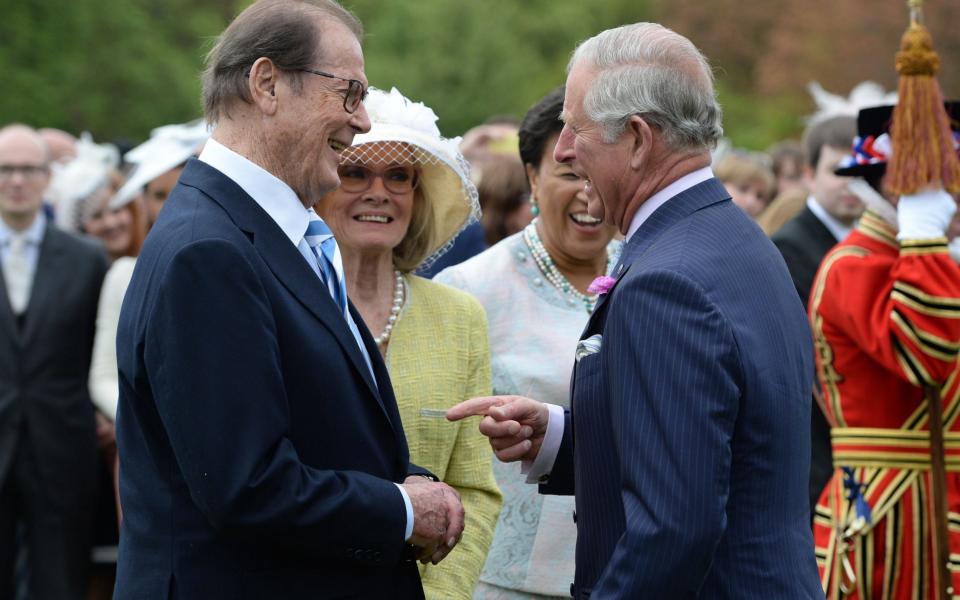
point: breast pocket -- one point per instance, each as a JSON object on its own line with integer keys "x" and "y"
{"x": 586, "y": 368}
{"x": 431, "y": 439}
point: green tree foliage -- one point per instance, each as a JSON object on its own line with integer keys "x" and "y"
{"x": 118, "y": 68}
{"x": 470, "y": 60}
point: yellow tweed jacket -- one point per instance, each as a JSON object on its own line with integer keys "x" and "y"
{"x": 438, "y": 355}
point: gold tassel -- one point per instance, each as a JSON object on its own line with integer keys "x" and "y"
{"x": 923, "y": 152}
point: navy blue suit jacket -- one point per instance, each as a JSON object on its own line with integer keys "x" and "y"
{"x": 688, "y": 443}
{"x": 257, "y": 454}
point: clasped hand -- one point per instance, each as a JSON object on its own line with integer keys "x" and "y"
{"x": 438, "y": 518}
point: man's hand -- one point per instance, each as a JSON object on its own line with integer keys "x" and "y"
{"x": 438, "y": 518}
{"x": 514, "y": 424}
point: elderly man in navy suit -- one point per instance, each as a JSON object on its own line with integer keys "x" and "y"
{"x": 261, "y": 449}
{"x": 687, "y": 441}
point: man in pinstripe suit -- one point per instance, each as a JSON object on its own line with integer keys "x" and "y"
{"x": 687, "y": 444}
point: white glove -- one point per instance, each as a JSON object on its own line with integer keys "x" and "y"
{"x": 955, "y": 249}
{"x": 925, "y": 215}
{"x": 873, "y": 200}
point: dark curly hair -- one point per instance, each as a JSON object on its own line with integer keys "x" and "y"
{"x": 540, "y": 122}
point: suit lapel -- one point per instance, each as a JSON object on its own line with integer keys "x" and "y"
{"x": 46, "y": 279}
{"x": 388, "y": 400}
{"x": 670, "y": 213}
{"x": 282, "y": 258}
{"x": 8, "y": 326}
{"x": 820, "y": 236}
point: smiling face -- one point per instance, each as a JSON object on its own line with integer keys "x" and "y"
{"x": 312, "y": 127}
{"x": 374, "y": 220}
{"x": 604, "y": 167}
{"x": 565, "y": 225}
{"x": 112, "y": 227}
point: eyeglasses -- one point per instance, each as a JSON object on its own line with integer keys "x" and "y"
{"x": 399, "y": 180}
{"x": 32, "y": 172}
{"x": 353, "y": 96}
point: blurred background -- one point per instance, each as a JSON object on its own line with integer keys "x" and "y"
{"x": 117, "y": 68}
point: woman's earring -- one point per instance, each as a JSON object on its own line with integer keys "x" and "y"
{"x": 534, "y": 207}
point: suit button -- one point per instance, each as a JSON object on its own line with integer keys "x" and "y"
{"x": 574, "y": 516}
{"x": 377, "y": 556}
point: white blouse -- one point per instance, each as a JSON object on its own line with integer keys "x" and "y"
{"x": 104, "y": 386}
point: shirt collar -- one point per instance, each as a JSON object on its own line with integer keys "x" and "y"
{"x": 836, "y": 228}
{"x": 33, "y": 233}
{"x": 273, "y": 195}
{"x": 660, "y": 198}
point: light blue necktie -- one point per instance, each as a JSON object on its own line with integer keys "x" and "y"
{"x": 324, "y": 247}
{"x": 320, "y": 240}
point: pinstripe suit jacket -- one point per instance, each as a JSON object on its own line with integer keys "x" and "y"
{"x": 687, "y": 443}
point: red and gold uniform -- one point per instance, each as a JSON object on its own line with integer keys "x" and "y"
{"x": 886, "y": 320}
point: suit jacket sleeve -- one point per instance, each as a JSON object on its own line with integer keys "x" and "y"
{"x": 561, "y": 480}
{"x": 672, "y": 373}
{"x": 212, "y": 356}
{"x": 904, "y": 316}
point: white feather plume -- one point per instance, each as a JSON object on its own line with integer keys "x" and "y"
{"x": 78, "y": 179}
{"x": 864, "y": 95}
{"x": 393, "y": 108}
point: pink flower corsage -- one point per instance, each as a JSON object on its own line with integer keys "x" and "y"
{"x": 601, "y": 285}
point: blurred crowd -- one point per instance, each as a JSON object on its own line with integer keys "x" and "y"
{"x": 80, "y": 211}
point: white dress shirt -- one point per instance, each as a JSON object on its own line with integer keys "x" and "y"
{"x": 538, "y": 469}
{"x": 34, "y": 237}
{"x": 281, "y": 203}
{"x": 838, "y": 229}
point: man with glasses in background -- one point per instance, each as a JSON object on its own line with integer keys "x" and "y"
{"x": 48, "y": 306}
{"x": 261, "y": 450}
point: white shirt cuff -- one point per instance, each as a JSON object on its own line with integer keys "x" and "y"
{"x": 408, "y": 532}
{"x": 538, "y": 470}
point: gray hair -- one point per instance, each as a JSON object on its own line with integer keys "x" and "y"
{"x": 285, "y": 31}
{"x": 646, "y": 69}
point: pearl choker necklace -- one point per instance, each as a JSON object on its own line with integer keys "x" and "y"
{"x": 398, "y": 298}
{"x": 550, "y": 270}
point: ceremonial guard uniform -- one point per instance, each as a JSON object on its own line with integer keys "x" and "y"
{"x": 886, "y": 320}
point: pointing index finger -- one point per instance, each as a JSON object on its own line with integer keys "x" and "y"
{"x": 473, "y": 407}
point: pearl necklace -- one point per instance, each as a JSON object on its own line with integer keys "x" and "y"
{"x": 552, "y": 273}
{"x": 398, "y": 298}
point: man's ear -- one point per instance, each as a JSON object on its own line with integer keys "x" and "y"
{"x": 262, "y": 84}
{"x": 641, "y": 140}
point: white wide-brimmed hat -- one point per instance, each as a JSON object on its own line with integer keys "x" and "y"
{"x": 405, "y": 130}
{"x": 168, "y": 147}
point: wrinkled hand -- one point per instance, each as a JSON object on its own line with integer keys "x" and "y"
{"x": 514, "y": 424}
{"x": 438, "y": 518}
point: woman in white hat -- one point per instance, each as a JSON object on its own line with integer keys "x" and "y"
{"x": 405, "y": 193}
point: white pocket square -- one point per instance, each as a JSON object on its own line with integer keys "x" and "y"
{"x": 589, "y": 346}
